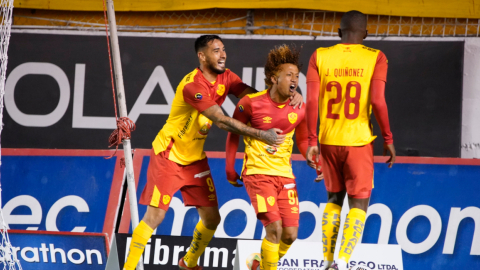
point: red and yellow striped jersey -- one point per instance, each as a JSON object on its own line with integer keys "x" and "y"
{"x": 261, "y": 112}
{"x": 345, "y": 72}
{"x": 186, "y": 129}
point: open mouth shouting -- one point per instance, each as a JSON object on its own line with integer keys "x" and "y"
{"x": 293, "y": 87}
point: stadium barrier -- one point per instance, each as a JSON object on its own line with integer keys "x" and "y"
{"x": 429, "y": 206}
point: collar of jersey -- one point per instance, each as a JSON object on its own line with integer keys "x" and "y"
{"x": 276, "y": 103}
{"x": 205, "y": 79}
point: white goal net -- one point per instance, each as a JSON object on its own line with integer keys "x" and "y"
{"x": 8, "y": 258}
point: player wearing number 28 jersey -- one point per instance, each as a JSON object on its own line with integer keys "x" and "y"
{"x": 267, "y": 170}
{"x": 344, "y": 83}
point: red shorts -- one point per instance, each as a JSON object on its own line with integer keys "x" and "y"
{"x": 348, "y": 168}
{"x": 165, "y": 177}
{"x": 274, "y": 198}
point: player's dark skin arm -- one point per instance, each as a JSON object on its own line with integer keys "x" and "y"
{"x": 271, "y": 136}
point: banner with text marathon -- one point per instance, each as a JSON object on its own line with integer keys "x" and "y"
{"x": 60, "y": 250}
{"x": 58, "y": 89}
{"x": 165, "y": 251}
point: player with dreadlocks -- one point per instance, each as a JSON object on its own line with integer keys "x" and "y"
{"x": 267, "y": 171}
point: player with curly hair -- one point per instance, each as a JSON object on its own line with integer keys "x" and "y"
{"x": 267, "y": 170}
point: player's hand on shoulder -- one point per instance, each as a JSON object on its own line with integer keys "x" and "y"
{"x": 391, "y": 149}
{"x": 312, "y": 156}
{"x": 233, "y": 179}
{"x": 296, "y": 100}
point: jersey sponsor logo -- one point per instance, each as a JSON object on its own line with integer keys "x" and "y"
{"x": 185, "y": 128}
{"x": 221, "y": 89}
{"x": 267, "y": 119}
{"x": 205, "y": 129}
{"x": 347, "y": 49}
{"x": 292, "y": 117}
{"x": 294, "y": 210}
{"x": 211, "y": 197}
{"x": 198, "y": 96}
{"x": 166, "y": 199}
{"x": 271, "y": 149}
{"x": 241, "y": 108}
{"x": 271, "y": 200}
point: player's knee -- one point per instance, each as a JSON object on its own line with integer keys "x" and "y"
{"x": 289, "y": 237}
{"x": 274, "y": 231}
{"x": 211, "y": 221}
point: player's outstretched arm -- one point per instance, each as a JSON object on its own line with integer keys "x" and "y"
{"x": 380, "y": 110}
{"x": 272, "y": 136}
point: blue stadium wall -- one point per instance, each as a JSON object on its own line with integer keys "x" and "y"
{"x": 427, "y": 205}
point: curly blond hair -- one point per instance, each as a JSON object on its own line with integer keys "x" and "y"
{"x": 278, "y": 56}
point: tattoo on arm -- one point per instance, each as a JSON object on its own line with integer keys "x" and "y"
{"x": 229, "y": 124}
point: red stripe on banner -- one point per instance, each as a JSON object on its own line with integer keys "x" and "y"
{"x": 380, "y": 159}
{"x": 57, "y": 233}
{"x": 55, "y": 152}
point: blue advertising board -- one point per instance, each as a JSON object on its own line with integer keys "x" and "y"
{"x": 431, "y": 210}
{"x": 429, "y": 207}
{"x": 60, "y": 250}
{"x": 53, "y": 192}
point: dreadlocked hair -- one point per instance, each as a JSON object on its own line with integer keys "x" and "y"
{"x": 278, "y": 56}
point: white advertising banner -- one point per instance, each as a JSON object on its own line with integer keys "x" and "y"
{"x": 308, "y": 256}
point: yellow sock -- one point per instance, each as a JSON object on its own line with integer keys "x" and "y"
{"x": 201, "y": 238}
{"x": 140, "y": 237}
{"x": 282, "y": 250}
{"x": 330, "y": 228}
{"x": 352, "y": 230}
{"x": 269, "y": 254}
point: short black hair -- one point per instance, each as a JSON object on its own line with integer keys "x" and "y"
{"x": 353, "y": 20}
{"x": 202, "y": 41}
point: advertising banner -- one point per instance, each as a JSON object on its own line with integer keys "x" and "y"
{"x": 165, "y": 251}
{"x": 427, "y": 206}
{"x": 60, "y": 190}
{"x": 305, "y": 256}
{"x": 40, "y": 250}
{"x": 58, "y": 88}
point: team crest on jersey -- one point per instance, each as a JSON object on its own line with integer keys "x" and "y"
{"x": 198, "y": 96}
{"x": 271, "y": 149}
{"x": 221, "y": 89}
{"x": 241, "y": 108}
{"x": 205, "y": 129}
{"x": 292, "y": 117}
{"x": 271, "y": 200}
{"x": 267, "y": 119}
{"x": 294, "y": 210}
{"x": 166, "y": 199}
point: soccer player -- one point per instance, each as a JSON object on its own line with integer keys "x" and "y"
{"x": 267, "y": 170}
{"x": 177, "y": 160}
{"x": 344, "y": 83}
